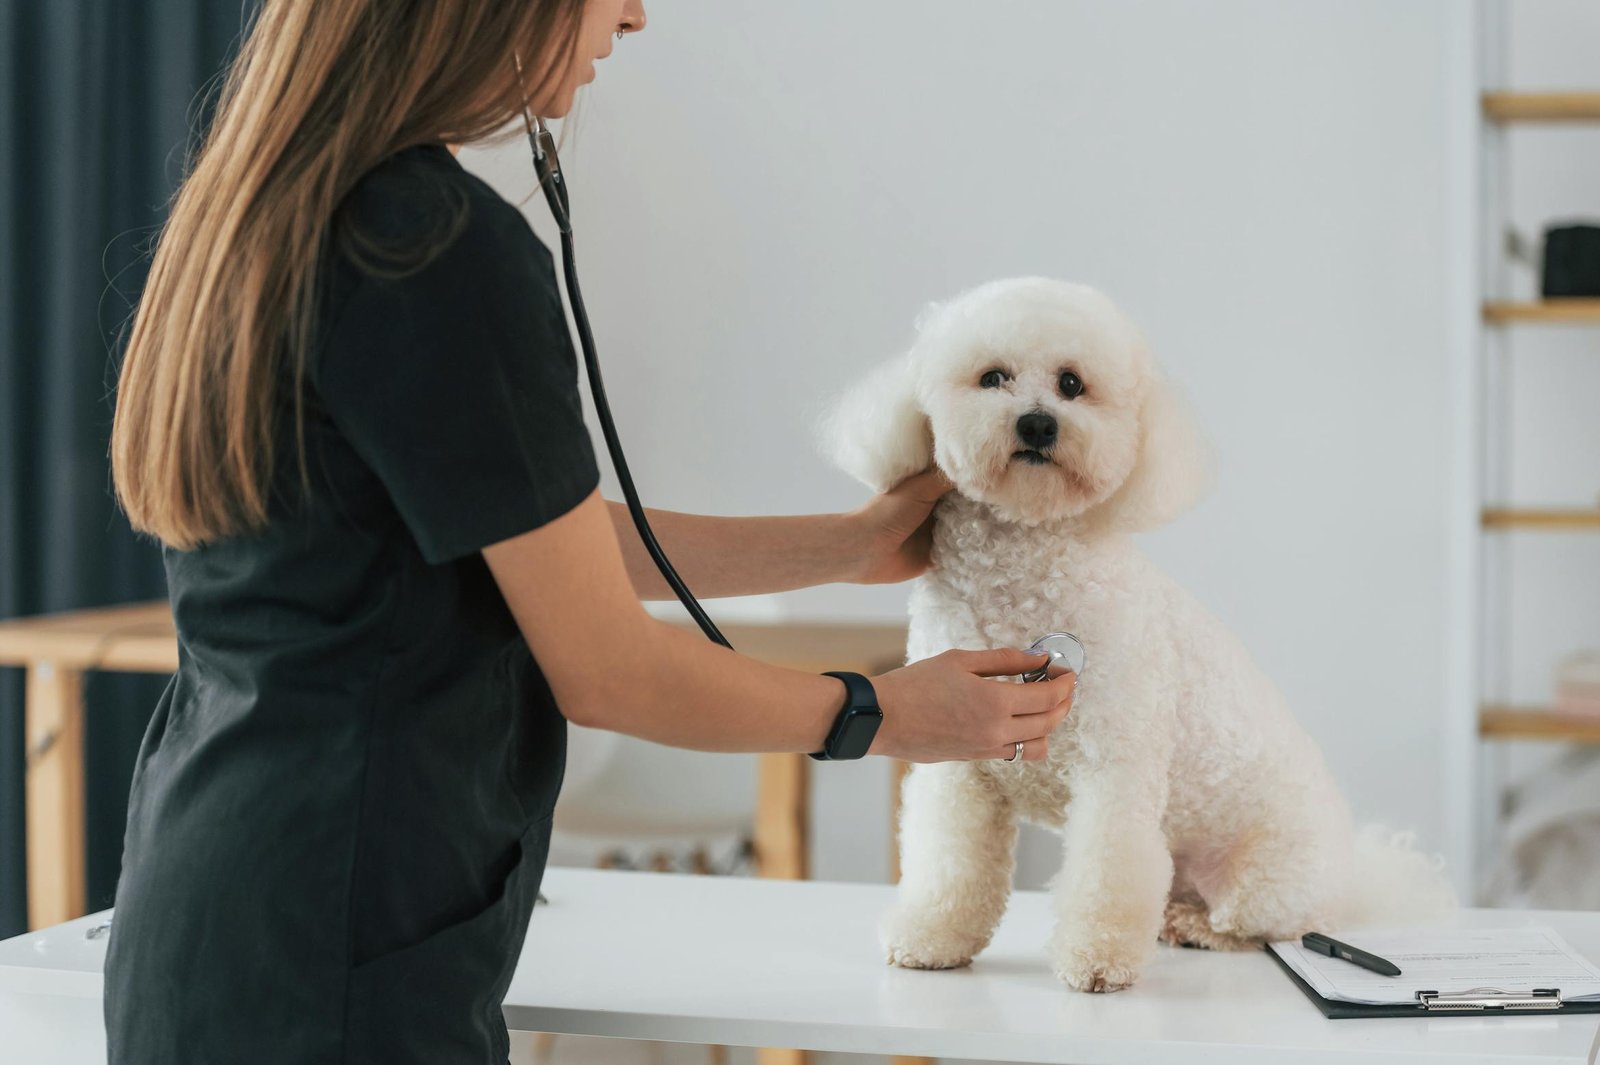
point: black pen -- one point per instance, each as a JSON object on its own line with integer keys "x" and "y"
{"x": 1354, "y": 955}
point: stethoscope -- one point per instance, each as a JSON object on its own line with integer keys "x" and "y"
{"x": 1064, "y": 648}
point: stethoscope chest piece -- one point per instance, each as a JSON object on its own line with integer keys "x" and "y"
{"x": 1066, "y": 656}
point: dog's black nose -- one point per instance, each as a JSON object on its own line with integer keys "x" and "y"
{"x": 1037, "y": 431}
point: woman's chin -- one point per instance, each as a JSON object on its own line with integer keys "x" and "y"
{"x": 561, "y": 105}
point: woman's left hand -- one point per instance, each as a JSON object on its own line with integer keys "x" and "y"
{"x": 896, "y": 528}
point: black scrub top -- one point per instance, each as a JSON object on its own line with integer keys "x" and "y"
{"x": 340, "y": 813}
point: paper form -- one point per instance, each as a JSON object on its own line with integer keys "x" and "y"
{"x": 1515, "y": 960}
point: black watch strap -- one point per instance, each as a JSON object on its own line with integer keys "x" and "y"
{"x": 856, "y": 725}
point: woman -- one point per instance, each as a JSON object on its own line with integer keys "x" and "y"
{"x": 349, "y": 410}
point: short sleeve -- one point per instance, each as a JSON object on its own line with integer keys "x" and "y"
{"x": 457, "y": 385}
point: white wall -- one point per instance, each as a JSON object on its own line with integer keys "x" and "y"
{"x": 766, "y": 194}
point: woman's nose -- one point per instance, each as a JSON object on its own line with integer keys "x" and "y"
{"x": 632, "y": 20}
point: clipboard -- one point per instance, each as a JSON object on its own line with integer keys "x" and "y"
{"x": 1491, "y": 1002}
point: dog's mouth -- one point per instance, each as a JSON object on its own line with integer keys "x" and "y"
{"x": 1030, "y": 456}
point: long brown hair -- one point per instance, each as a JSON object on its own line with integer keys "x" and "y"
{"x": 321, "y": 91}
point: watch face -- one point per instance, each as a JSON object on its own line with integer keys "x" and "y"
{"x": 859, "y": 729}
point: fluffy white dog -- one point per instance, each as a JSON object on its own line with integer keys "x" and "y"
{"x": 1193, "y": 807}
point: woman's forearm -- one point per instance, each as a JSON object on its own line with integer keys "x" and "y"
{"x": 740, "y": 556}
{"x": 681, "y": 690}
{"x": 611, "y": 665}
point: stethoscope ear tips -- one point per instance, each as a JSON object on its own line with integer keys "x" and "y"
{"x": 546, "y": 164}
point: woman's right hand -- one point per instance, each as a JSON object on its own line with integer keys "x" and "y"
{"x": 942, "y": 709}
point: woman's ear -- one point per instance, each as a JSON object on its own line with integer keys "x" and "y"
{"x": 1172, "y": 470}
{"x": 876, "y": 432}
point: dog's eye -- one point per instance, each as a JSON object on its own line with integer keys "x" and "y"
{"x": 992, "y": 379}
{"x": 1071, "y": 385}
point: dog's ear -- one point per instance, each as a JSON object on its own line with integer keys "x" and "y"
{"x": 877, "y": 432}
{"x": 1173, "y": 468}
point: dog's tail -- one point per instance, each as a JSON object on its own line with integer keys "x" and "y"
{"x": 1394, "y": 883}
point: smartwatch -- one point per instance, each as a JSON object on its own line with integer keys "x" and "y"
{"x": 856, "y": 724}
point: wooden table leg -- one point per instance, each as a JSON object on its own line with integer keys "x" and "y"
{"x": 783, "y": 816}
{"x": 782, "y": 836}
{"x": 53, "y": 716}
{"x": 897, "y": 780}
{"x": 774, "y": 1056}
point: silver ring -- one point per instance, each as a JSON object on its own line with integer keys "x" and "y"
{"x": 1016, "y": 751}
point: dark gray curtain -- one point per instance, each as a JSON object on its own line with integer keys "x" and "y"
{"x": 98, "y": 102}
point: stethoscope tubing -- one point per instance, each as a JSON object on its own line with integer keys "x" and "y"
{"x": 547, "y": 165}
{"x": 608, "y": 427}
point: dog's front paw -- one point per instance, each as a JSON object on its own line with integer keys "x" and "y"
{"x": 1100, "y": 963}
{"x": 922, "y": 937}
{"x": 1083, "y": 972}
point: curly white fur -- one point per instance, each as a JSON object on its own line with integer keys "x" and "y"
{"x": 1193, "y": 807}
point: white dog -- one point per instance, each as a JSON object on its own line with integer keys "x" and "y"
{"x": 1193, "y": 807}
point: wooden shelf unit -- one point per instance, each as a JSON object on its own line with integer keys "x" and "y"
{"x": 1575, "y": 519}
{"x": 1542, "y": 106}
{"x": 1577, "y": 311}
{"x": 1498, "y": 722}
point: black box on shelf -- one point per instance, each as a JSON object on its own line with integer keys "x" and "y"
{"x": 1571, "y": 265}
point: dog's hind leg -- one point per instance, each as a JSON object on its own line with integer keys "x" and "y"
{"x": 1187, "y": 921}
{"x": 957, "y": 843}
{"x": 1278, "y": 883}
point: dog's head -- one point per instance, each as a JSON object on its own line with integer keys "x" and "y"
{"x": 1036, "y": 397}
